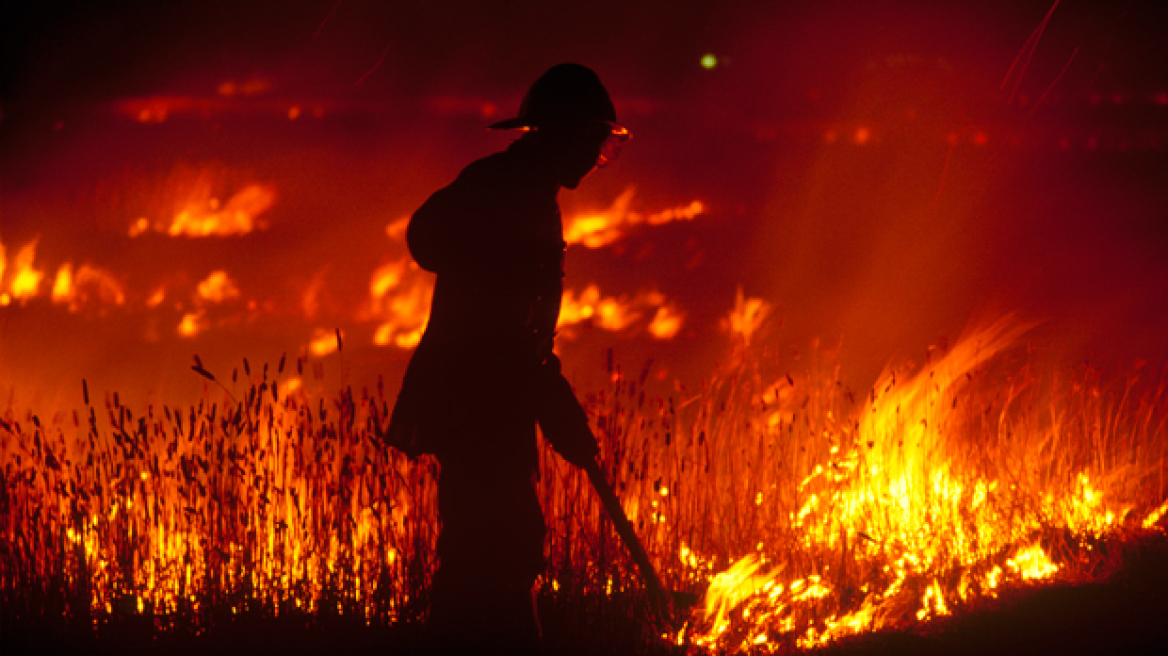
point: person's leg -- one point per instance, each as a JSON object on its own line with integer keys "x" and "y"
{"x": 491, "y": 545}
{"x": 490, "y": 551}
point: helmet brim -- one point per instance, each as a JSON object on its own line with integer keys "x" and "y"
{"x": 511, "y": 124}
{"x": 519, "y": 123}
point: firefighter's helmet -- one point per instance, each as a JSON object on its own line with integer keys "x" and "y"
{"x": 569, "y": 96}
{"x": 566, "y": 95}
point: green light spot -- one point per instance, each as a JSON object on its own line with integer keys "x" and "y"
{"x": 709, "y": 60}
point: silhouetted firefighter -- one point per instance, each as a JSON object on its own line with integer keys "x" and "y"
{"x": 484, "y": 372}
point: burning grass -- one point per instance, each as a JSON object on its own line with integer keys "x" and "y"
{"x": 802, "y": 511}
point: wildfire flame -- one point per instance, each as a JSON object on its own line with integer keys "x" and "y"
{"x": 236, "y": 216}
{"x": 86, "y": 287}
{"x": 217, "y": 287}
{"x": 619, "y": 314}
{"x": 747, "y": 317}
{"x": 192, "y": 324}
{"x": 603, "y": 228}
{"x": 200, "y": 212}
{"x": 24, "y": 280}
{"x": 905, "y": 506}
{"x": 324, "y": 342}
{"x": 89, "y": 286}
{"x": 399, "y": 296}
{"x": 804, "y": 514}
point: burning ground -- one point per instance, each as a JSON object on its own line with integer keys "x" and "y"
{"x": 801, "y": 511}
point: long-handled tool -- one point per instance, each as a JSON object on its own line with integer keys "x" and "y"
{"x": 564, "y": 423}
{"x": 624, "y": 528}
{"x": 663, "y": 603}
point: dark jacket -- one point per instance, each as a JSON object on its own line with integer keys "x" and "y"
{"x": 495, "y": 239}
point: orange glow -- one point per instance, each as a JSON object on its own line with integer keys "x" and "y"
{"x": 252, "y": 87}
{"x": 399, "y": 300}
{"x": 156, "y": 297}
{"x": 323, "y": 342}
{"x": 154, "y": 109}
{"x": 613, "y": 315}
{"x": 192, "y": 324}
{"x": 217, "y": 287}
{"x": 618, "y": 314}
{"x": 193, "y": 200}
{"x": 899, "y": 470}
{"x": 802, "y": 515}
{"x": 1032, "y": 563}
{"x": 88, "y": 286}
{"x": 603, "y": 228}
{"x": 25, "y": 279}
{"x": 733, "y": 586}
{"x": 1154, "y": 517}
{"x": 310, "y": 299}
{"x": 748, "y": 315}
{"x": 666, "y": 322}
{"x": 396, "y": 229}
{"x": 203, "y": 217}
{"x": 63, "y": 285}
{"x": 139, "y": 227}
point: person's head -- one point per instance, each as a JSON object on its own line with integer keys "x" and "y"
{"x": 568, "y": 111}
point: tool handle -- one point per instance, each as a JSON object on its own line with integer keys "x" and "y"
{"x": 624, "y": 528}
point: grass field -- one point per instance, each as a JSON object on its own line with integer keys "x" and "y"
{"x": 802, "y": 511}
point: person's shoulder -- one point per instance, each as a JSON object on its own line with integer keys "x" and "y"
{"x": 492, "y": 167}
{"x": 503, "y": 175}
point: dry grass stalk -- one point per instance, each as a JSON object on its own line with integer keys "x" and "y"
{"x": 832, "y": 512}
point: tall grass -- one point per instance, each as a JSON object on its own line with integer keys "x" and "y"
{"x": 806, "y": 510}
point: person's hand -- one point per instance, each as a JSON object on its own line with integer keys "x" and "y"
{"x": 545, "y": 342}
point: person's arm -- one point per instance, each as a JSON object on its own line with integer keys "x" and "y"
{"x": 549, "y": 295}
{"x": 561, "y": 417}
{"x": 433, "y": 235}
{"x": 464, "y": 226}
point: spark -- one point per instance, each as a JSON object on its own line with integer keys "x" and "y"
{"x": 375, "y": 65}
{"x": 1052, "y": 84}
{"x": 331, "y": 12}
{"x": 1022, "y": 60}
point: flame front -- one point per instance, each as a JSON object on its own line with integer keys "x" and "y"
{"x": 932, "y": 493}
{"x": 85, "y": 287}
{"x": 804, "y": 513}
{"x": 24, "y": 279}
{"x": 399, "y": 297}
{"x": 603, "y": 228}
{"x": 619, "y": 314}
{"x": 194, "y": 201}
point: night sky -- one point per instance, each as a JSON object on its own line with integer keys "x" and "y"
{"x": 62, "y": 53}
